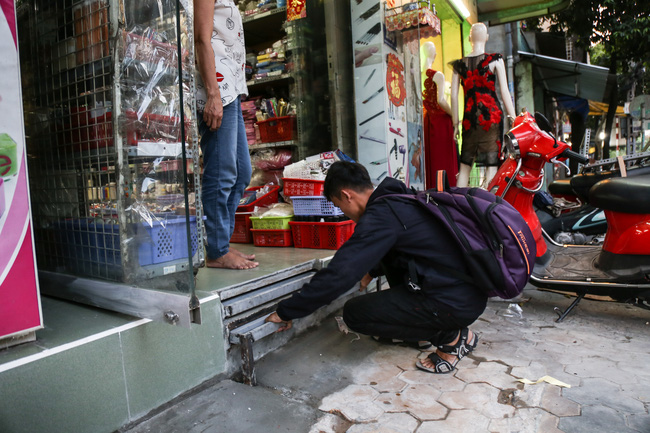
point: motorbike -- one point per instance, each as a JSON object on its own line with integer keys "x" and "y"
{"x": 620, "y": 267}
{"x": 571, "y": 218}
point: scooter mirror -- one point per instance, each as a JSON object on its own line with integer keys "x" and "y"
{"x": 543, "y": 123}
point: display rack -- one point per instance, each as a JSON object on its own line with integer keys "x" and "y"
{"x": 114, "y": 165}
{"x": 305, "y": 84}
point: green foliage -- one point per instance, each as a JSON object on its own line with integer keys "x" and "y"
{"x": 621, "y": 28}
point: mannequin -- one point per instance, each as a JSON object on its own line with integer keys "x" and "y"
{"x": 482, "y": 126}
{"x": 440, "y": 149}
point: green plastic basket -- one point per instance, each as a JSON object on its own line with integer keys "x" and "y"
{"x": 271, "y": 223}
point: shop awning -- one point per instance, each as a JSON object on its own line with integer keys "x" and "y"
{"x": 571, "y": 78}
{"x": 505, "y": 11}
{"x": 600, "y": 108}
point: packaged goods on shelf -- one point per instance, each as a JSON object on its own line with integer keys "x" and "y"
{"x": 249, "y": 108}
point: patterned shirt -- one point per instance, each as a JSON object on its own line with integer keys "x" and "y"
{"x": 229, "y": 54}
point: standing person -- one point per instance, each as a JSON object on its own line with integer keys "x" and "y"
{"x": 221, "y": 57}
{"x": 400, "y": 239}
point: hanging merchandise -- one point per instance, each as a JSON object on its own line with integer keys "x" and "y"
{"x": 296, "y": 9}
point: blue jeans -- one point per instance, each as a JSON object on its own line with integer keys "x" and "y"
{"x": 226, "y": 173}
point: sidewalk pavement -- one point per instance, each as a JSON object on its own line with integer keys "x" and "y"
{"x": 326, "y": 381}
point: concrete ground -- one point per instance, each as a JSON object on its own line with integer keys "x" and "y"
{"x": 326, "y": 381}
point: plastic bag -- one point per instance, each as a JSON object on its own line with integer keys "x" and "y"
{"x": 274, "y": 210}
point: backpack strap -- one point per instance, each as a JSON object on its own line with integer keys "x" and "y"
{"x": 442, "y": 183}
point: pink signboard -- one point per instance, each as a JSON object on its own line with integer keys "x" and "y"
{"x": 20, "y": 309}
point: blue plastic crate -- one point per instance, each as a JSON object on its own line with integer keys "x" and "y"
{"x": 314, "y": 205}
{"x": 87, "y": 242}
{"x": 166, "y": 240}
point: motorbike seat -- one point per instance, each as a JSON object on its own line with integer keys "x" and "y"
{"x": 622, "y": 194}
{"x": 582, "y": 183}
{"x": 561, "y": 187}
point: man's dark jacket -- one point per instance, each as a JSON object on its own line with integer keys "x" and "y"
{"x": 389, "y": 233}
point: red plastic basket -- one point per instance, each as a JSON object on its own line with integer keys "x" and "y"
{"x": 329, "y": 236}
{"x": 277, "y": 129}
{"x": 267, "y": 199}
{"x": 303, "y": 187}
{"x": 272, "y": 238}
{"x": 242, "y": 232}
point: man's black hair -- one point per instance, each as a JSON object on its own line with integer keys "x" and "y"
{"x": 346, "y": 175}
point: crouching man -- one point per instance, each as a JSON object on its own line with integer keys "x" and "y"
{"x": 396, "y": 238}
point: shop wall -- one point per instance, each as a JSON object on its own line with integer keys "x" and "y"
{"x": 100, "y": 383}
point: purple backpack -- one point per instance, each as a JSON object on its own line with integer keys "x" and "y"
{"x": 498, "y": 245}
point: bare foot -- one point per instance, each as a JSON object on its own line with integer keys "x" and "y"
{"x": 240, "y": 254}
{"x": 230, "y": 260}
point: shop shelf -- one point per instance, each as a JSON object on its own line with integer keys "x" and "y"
{"x": 303, "y": 187}
{"x": 272, "y": 238}
{"x": 321, "y": 235}
{"x": 271, "y": 223}
{"x": 314, "y": 205}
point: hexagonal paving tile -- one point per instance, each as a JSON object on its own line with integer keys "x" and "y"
{"x": 480, "y": 397}
{"x": 595, "y": 419}
{"x": 596, "y": 366}
{"x": 421, "y": 401}
{"x": 503, "y": 351}
{"x": 553, "y": 402}
{"x": 388, "y": 423}
{"x": 355, "y": 403}
{"x": 530, "y": 420}
{"x": 603, "y": 392}
{"x": 383, "y": 378}
{"x": 548, "y": 368}
{"x": 639, "y": 422}
{"x": 329, "y": 423}
{"x": 402, "y": 357}
{"x": 466, "y": 421}
{"x": 640, "y": 390}
{"x": 442, "y": 382}
{"x": 493, "y": 373}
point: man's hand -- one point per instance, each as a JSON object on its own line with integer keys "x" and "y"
{"x": 274, "y": 318}
{"x": 213, "y": 112}
{"x": 363, "y": 284}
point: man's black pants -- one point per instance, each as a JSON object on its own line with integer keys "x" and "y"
{"x": 398, "y": 313}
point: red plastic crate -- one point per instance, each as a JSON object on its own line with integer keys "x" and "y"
{"x": 272, "y": 238}
{"x": 277, "y": 129}
{"x": 267, "y": 199}
{"x": 242, "y": 232}
{"x": 329, "y": 236}
{"x": 303, "y": 187}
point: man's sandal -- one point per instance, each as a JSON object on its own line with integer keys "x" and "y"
{"x": 459, "y": 350}
{"x": 462, "y": 346}
{"x": 421, "y": 345}
{"x": 440, "y": 366}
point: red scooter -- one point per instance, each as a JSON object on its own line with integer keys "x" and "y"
{"x": 620, "y": 268}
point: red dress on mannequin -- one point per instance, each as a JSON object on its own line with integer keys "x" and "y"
{"x": 440, "y": 151}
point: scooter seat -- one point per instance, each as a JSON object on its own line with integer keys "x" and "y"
{"x": 582, "y": 183}
{"x": 622, "y": 194}
{"x": 561, "y": 187}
